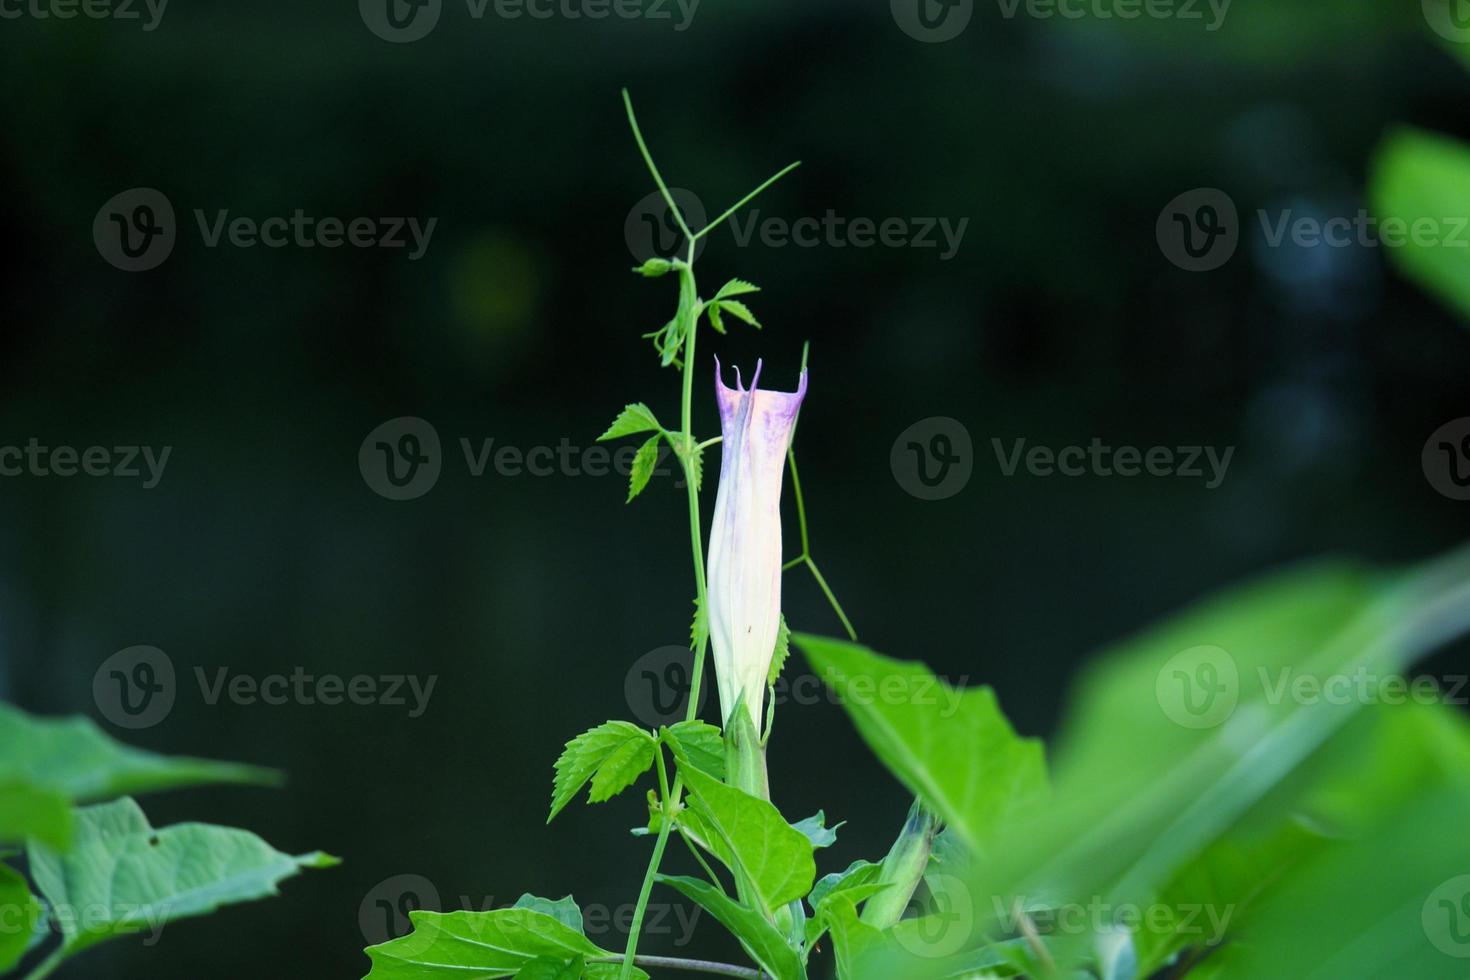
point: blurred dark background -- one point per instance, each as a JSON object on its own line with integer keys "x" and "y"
{"x": 1059, "y": 319}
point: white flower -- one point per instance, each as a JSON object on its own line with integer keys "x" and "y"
{"x": 744, "y": 581}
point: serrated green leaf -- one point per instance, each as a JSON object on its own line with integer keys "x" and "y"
{"x": 20, "y": 915}
{"x": 48, "y": 764}
{"x": 738, "y": 309}
{"x": 760, "y": 938}
{"x": 654, "y": 268}
{"x": 715, "y": 320}
{"x": 699, "y": 627}
{"x": 564, "y": 910}
{"x": 622, "y": 769}
{"x": 122, "y": 876}
{"x": 586, "y": 754}
{"x": 952, "y": 748}
{"x": 633, "y": 419}
{"x": 695, "y": 455}
{"x": 751, "y": 833}
{"x": 700, "y": 744}
{"x": 736, "y": 287}
{"x": 477, "y": 945}
{"x": 783, "y": 651}
{"x": 643, "y": 465}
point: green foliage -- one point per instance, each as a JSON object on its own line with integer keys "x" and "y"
{"x": 1421, "y": 180}
{"x": 102, "y": 870}
{"x": 46, "y": 765}
{"x": 23, "y": 915}
{"x": 765, "y": 943}
{"x": 498, "y": 943}
{"x": 612, "y": 756}
{"x": 753, "y": 840}
{"x": 953, "y": 749}
{"x": 643, "y": 465}
{"x": 131, "y": 878}
{"x": 698, "y": 744}
{"x": 636, "y": 418}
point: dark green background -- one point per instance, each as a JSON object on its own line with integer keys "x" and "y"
{"x": 1058, "y": 321}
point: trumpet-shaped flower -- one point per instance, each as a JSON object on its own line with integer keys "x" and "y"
{"x": 744, "y": 583}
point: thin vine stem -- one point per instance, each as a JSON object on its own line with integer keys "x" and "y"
{"x": 692, "y": 966}
{"x": 805, "y": 558}
{"x": 47, "y": 966}
{"x": 747, "y": 198}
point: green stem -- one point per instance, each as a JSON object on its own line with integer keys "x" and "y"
{"x": 47, "y": 966}
{"x": 657, "y": 179}
{"x": 696, "y": 542}
{"x": 747, "y": 199}
{"x": 692, "y": 966}
{"x": 805, "y": 558}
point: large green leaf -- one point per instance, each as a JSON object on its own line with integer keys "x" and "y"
{"x": 482, "y": 945}
{"x": 1394, "y": 903}
{"x": 1424, "y": 177}
{"x": 121, "y": 876}
{"x": 761, "y": 939}
{"x": 748, "y": 831}
{"x": 1182, "y": 754}
{"x": 952, "y": 748}
{"x": 48, "y": 764}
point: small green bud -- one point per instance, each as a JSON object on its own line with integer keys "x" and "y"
{"x": 654, "y": 268}
{"x": 902, "y": 869}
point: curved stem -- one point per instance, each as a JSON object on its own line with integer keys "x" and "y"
{"x": 693, "y": 966}
{"x": 657, "y": 179}
{"x": 47, "y": 966}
